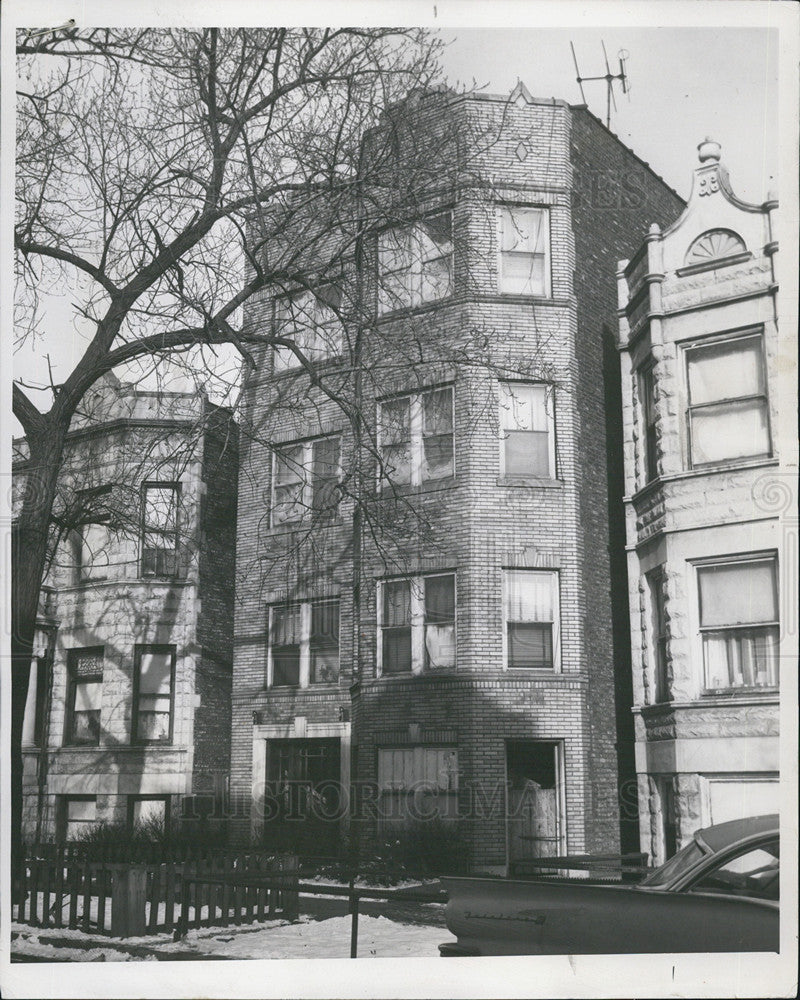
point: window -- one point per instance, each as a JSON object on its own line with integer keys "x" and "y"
{"x": 311, "y": 320}
{"x": 304, "y": 480}
{"x": 91, "y": 540}
{"x": 78, "y": 816}
{"x": 647, "y": 396}
{"x": 527, "y": 431}
{"x": 415, "y": 263}
{"x": 739, "y": 623}
{"x": 160, "y": 529}
{"x": 727, "y": 414}
{"x": 418, "y": 783}
{"x": 84, "y": 696}
{"x": 418, "y": 624}
{"x": 416, "y": 437}
{"x": 304, "y": 643}
{"x": 655, "y": 583}
{"x": 150, "y": 812}
{"x": 532, "y": 619}
{"x": 733, "y": 796}
{"x": 154, "y": 680}
{"x": 524, "y": 251}
{"x": 753, "y": 873}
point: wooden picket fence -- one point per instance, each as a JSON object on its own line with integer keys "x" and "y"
{"x": 56, "y": 887}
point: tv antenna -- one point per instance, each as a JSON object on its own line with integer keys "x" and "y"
{"x": 609, "y": 77}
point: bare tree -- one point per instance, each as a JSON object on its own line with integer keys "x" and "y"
{"x": 151, "y": 166}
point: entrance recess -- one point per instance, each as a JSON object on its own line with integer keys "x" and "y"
{"x": 535, "y": 829}
{"x": 304, "y": 796}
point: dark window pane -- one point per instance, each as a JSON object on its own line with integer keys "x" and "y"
{"x": 397, "y": 603}
{"x": 325, "y": 474}
{"x": 396, "y": 650}
{"x": 440, "y": 599}
{"x": 286, "y": 666}
{"x": 530, "y": 645}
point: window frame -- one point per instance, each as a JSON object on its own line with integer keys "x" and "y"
{"x": 63, "y": 819}
{"x": 175, "y": 486}
{"x": 398, "y": 797}
{"x": 506, "y": 210}
{"x": 707, "y": 631}
{"x": 697, "y": 346}
{"x": 306, "y": 644}
{"x": 504, "y": 431}
{"x": 416, "y": 438}
{"x": 86, "y": 572}
{"x": 138, "y": 650}
{"x": 555, "y": 584}
{"x": 419, "y": 662}
{"x": 414, "y": 273}
{"x": 73, "y": 655}
{"x": 306, "y": 479}
{"x": 133, "y": 799}
{"x": 281, "y": 305}
{"x": 657, "y": 631}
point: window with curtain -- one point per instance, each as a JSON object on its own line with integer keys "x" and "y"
{"x": 285, "y": 639}
{"x": 84, "y": 696}
{"x": 305, "y": 476}
{"x": 727, "y": 413}
{"x": 415, "y": 263}
{"x": 153, "y": 689}
{"x": 418, "y": 624}
{"x": 527, "y": 430}
{"x": 311, "y": 319}
{"x": 532, "y": 619}
{"x": 739, "y": 623}
{"x": 416, "y": 437}
{"x": 304, "y": 643}
{"x": 524, "y": 251}
{"x": 648, "y": 410}
{"x": 160, "y": 529}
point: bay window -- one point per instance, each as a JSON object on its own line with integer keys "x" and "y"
{"x": 153, "y": 690}
{"x": 416, "y": 437}
{"x": 524, "y": 251}
{"x": 415, "y": 263}
{"x": 531, "y": 603}
{"x": 727, "y": 414}
{"x": 418, "y": 624}
{"x": 527, "y": 430}
{"x": 739, "y": 623}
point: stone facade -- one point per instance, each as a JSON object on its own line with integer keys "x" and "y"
{"x": 481, "y": 726}
{"x": 708, "y": 491}
{"x": 108, "y": 737}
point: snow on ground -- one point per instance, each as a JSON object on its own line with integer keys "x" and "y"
{"x": 378, "y": 937}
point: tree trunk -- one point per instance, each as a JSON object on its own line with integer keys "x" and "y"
{"x": 29, "y": 538}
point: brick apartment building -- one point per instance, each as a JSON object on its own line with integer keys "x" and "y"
{"x": 129, "y": 700}
{"x": 708, "y": 486}
{"x": 457, "y": 642}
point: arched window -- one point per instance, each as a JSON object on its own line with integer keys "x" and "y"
{"x": 716, "y": 245}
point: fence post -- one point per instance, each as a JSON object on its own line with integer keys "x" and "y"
{"x": 128, "y": 898}
{"x": 353, "y": 921}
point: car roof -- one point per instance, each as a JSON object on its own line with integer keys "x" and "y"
{"x": 724, "y": 834}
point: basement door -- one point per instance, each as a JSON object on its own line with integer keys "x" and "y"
{"x": 534, "y": 799}
{"x": 304, "y": 779}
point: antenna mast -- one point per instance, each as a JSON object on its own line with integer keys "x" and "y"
{"x": 609, "y": 77}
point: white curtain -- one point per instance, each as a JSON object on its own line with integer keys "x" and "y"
{"x": 737, "y": 594}
{"x": 530, "y": 596}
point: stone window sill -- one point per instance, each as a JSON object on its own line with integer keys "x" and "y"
{"x": 531, "y": 482}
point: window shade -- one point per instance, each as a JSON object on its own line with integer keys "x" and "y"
{"x": 737, "y": 594}
{"x": 529, "y": 596}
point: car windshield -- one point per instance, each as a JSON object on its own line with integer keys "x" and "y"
{"x": 677, "y": 865}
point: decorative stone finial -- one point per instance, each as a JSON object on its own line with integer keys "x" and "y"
{"x": 708, "y": 149}
{"x": 655, "y": 229}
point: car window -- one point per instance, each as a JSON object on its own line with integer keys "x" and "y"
{"x": 753, "y": 873}
{"x": 679, "y": 863}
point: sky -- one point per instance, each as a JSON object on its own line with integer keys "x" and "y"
{"x": 686, "y": 82}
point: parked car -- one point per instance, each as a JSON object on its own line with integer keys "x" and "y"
{"x": 719, "y": 893}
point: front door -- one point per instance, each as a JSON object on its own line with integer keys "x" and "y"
{"x": 534, "y": 825}
{"x": 304, "y": 783}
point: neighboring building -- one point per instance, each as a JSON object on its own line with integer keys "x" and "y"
{"x": 129, "y": 701}
{"x": 489, "y": 662}
{"x": 704, "y": 483}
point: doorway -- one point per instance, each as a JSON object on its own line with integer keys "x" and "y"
{"x": 535, "y": 824}
{"x": 304, "y": 796}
